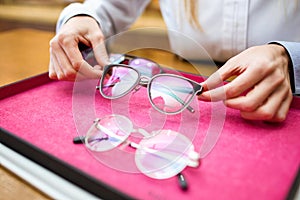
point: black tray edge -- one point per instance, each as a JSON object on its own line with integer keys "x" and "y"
{"x": 295, "y": 188}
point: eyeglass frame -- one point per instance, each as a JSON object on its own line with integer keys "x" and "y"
{"x": 192, "y": 157}
{"x": 197, "y": 87}
{"x": 126, "y": 58}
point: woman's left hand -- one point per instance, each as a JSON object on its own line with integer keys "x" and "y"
{"x": 261, "y": 89}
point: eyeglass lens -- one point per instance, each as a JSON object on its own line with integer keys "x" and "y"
{"x": 163, "y": 155}
{"x": 108, "y": 133}
{"x": 145, "y": 67}
{"x": 170, "y": 93}
{"x": 118, "y": 81}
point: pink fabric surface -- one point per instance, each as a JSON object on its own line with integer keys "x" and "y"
{"x": 251, "y": 159}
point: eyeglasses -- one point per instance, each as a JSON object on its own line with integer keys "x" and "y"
{"x": 168, "y": 93}
{"x": 159, "y": 154}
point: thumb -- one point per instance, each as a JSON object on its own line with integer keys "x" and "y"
{"x": 213, "y": 81}
{"x": 97, "y": 41}
{"x": 100, "y": 54}
{"x": 86, "y": 71}
{"x": 213, "y": 86}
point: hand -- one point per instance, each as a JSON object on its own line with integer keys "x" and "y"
{"x": 261, "y": 89}
{"x": 66, "y": 62}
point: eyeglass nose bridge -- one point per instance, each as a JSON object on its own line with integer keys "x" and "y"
{"x": 144, "y": 81}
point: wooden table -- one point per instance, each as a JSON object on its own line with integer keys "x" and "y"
{"x": 23, "y": 53}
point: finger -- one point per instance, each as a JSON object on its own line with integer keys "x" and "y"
{"x": 52, "y": 73}
{"x": 64, "y": 66}
{"x": 212, "y": 86}
{"x": 268, "y": 110}
{"x": 257, "y": 96}
{"x": 229, "y": 69}
{"x": 78, "y": 63}
{"x": 59, "y": 74}
{"x": 216, "y": 94}
{"x": 99, "y": 48}
{"x": 78, "y": 70}
{"x": 283, "y": 110}
{"x": 60, "y": 62}
{"x": 101, "y": 55}
{"x": 80, "y": 77}
{"x": 69, "y": 46}
{"x": 215, "y": 80}
{"x": 236, "y": 87}
{"x": 90, "y": 72}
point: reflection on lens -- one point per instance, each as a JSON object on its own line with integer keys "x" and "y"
{"x": 170, "y": 93}
{"x": 118, "y": 80}
{"x": 108, "y": 133}
{"x": 164, "y": 155}
{"x": 145, "y": 67}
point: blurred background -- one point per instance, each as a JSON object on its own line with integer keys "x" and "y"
{"x": 27, "y": 26}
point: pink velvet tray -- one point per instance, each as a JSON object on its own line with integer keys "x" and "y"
{"x": 249, "y": 159}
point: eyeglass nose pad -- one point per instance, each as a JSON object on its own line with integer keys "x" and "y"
{"x": 136, "y": 88}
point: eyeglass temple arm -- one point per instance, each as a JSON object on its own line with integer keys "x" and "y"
{"x": 187, "y": 90}
{"x": 108, "y": 132}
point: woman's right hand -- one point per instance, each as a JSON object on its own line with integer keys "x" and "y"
{"x": 66, "y": 61}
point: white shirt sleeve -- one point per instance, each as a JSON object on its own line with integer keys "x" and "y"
{"x": 113, "y": 16}
{"x": 293, "y": 49}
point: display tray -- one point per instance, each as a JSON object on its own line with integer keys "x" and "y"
{"x": 245, "y": 160}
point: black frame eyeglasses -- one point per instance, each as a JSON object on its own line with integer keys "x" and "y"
{"x": 167, "y": 93}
